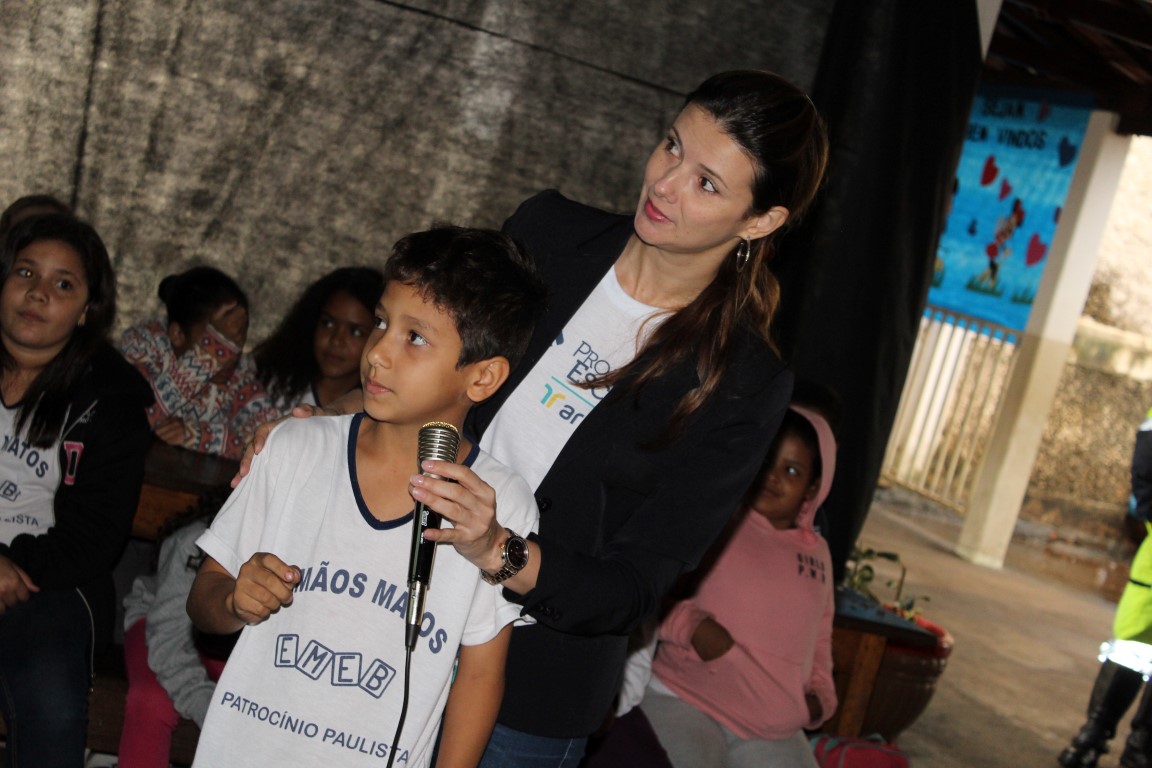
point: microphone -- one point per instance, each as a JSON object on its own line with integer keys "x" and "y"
{"x": 438, "y": 441}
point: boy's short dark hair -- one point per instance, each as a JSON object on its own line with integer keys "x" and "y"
{"x": 479, "y": 277}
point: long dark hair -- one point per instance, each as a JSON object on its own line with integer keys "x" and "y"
{"x": 779, "y": 129}
{"x": 45, "y": 403}
{"x": 286, "y": 361}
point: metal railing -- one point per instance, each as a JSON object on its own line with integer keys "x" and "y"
{"x": 957, "y": 377}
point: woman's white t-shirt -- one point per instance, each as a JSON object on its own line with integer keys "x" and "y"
{"x": 534, "y": 423}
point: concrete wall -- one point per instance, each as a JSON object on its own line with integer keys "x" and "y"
{"x": 279, "y": 139}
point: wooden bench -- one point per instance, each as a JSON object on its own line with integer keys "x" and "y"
{"x": 174, "y": 480}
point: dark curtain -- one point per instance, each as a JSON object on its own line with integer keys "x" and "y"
{"x": 896, "y": 82}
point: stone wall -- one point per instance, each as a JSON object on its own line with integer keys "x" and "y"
{"x": 277, "y": 140}
{"x": 1080, "y": 482}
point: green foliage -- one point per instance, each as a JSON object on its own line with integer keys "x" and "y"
{"x": 860, "y": 576}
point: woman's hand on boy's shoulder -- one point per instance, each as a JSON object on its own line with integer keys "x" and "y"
{"x": 260, "y": 436}
{"x": 352, "y": 402}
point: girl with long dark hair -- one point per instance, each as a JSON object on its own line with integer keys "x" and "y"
{"x": 74, "y": 439}
{"x": 335, "y": 315}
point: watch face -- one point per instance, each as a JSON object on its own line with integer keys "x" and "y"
{"x": 517, "y": 551}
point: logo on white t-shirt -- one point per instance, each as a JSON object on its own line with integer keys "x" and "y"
{"x": 540, "y": 415}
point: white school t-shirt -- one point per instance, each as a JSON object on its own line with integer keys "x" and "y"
{"x": 321, "y": 681}
{"x": 29, "y": 477}
{"x": 534, "y": 423}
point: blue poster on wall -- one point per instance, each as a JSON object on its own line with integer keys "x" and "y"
{"x": 1015, "y": 169}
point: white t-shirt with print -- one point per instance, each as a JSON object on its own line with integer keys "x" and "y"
{"x": 321, "y": 681}
{"x": 29, "y": 477}
{"x": 534, "y": 423}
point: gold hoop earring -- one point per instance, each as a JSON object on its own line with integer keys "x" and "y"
{"x": 743, "y": 253}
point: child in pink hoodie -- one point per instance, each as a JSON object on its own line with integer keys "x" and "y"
{"x": 745, "y": 664}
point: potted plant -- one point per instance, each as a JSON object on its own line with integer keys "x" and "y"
{"x": 908, "y": 672}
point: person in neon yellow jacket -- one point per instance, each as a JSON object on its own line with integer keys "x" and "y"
{"x": 1128, "y": 656}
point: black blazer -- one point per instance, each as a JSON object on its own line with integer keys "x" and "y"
{"x": 619, "y": 522}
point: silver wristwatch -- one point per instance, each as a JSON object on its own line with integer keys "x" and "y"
{"x": 515, "y": 556}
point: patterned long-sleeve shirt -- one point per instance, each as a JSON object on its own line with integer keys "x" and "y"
{"x": 220, "y": 418}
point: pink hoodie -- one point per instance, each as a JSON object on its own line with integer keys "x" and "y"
{"x": 772, "y": 590}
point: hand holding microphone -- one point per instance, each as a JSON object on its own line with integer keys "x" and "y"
{"x": 437, "y": 441}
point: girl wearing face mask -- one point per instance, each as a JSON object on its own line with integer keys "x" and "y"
{"x": 208, "y": 398}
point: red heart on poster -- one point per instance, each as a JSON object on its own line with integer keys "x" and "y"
{"x": 1005, "y": 189}
{"x": 1036, "y": 250}
{"x": 990, "y": 171}
{"x": 1045, "y": 110}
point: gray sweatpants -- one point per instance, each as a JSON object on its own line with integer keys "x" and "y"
{"x": 692, "y": 739}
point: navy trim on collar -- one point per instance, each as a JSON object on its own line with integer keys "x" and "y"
{"x": 380, "y": 525}
{"x": 383, "y": 525}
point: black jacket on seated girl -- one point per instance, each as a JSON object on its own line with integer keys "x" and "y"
{"x": 102, "y": 449}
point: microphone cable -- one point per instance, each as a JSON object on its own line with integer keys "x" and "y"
{"x": 437, "y": 441}
{"x": 403, "y": 707}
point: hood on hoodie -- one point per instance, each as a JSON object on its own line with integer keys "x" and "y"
{"x": 827, "y": 466}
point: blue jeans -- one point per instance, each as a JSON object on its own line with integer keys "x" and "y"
{"x": 514, "y": 749}
{"x": 45, "y": 673}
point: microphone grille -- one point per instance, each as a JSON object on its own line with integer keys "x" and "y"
{"x": 438, "y": 441}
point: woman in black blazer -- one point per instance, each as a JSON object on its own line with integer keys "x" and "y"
{"x": 644, "y": 405}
